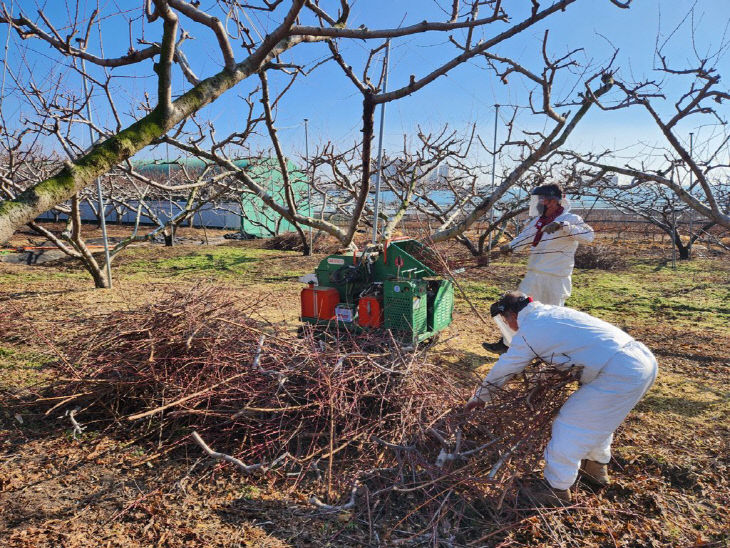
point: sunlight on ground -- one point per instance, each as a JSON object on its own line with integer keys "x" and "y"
{"x": 674, "y": 437}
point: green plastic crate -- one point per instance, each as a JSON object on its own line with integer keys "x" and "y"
{"x": 441, "y": 306}
{"x": 405, "y": 304}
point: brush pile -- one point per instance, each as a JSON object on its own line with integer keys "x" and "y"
{"x": 288, "y": 241}
{"x": 379, "y": 432}
{"x": 454, "y": 478}
{"x": 291, "y": 241}
{"x": 601, "y": 257}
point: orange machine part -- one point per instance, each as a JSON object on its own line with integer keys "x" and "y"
{"x": 319, "y": 302}
{"x": 370, "y": 312}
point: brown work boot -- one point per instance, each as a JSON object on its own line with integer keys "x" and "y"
{"x": 594, "y": 473}
{"x": 539, "y": 493}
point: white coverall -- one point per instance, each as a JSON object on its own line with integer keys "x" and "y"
{"x": 617, "y": 372}
{"x": 551, "y": 261}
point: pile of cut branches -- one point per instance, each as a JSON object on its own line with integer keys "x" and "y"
{"x": 290, "y": 241}
{"x": 460, "y": 475}
{"x": 194, "y": 362}
{"x": 601, "y": 257}
{"x": 373, "y": 431}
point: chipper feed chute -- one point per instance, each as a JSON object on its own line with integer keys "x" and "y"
{"x": 383, "y": 287}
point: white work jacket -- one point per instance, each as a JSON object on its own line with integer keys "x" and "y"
{"x": 558, "y": 335}
{"x": 554, "y": 254}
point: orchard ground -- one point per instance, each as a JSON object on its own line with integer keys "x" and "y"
{"x": 671, "y": 463}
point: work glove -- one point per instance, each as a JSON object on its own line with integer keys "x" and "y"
{"x": 553, "y": 227}
{"x": 506, "y": 249}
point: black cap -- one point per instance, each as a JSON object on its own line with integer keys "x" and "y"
{"x": 550, "y": 191}
{"x": 513, "y": 301}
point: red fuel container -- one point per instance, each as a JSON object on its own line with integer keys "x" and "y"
{"x": 319, "y": 302}
{"x": 370, "y": 312}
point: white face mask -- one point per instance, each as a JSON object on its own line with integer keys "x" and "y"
{"x": 507, "y": 331}
{"x": 537, "y": 209}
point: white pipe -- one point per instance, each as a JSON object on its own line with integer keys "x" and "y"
{"x": 380, "y": 146}
{"x": 309, "y": 183}
{"x": 494, "y": 167}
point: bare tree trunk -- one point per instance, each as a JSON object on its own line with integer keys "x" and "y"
{"x": 368, "y": 112}
{"x": 76, "y": 240}
{"x": 169, "y": 234}
{"x": 682, "y": 249}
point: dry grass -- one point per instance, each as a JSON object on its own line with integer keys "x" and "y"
{"x": 671, "y": 457}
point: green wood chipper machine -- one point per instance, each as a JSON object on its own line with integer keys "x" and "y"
{"x": 384, "y": 287}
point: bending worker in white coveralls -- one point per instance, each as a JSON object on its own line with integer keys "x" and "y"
{"x": 552, "y": 236}
{"x": 616, "y": 373}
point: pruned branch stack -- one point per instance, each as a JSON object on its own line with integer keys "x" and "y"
{"x": 348, "y": 418}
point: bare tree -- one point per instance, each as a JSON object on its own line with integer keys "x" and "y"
{"x": 659, "y": 206}
{"x": 125, "y": 188}
{"x": 55, "y": 114}
{"x": 464, "y": 199}
{"x": 694, "y": 170}
{"x": 263, "y": 54}
{"x": 535, "y": 147}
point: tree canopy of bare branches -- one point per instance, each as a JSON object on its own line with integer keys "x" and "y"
{"x": 687, "y": 105}
{"x": 482, "y": 26}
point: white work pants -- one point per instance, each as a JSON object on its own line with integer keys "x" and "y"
{"x": 546, "y": 288}
{"x": 585, "y": 424}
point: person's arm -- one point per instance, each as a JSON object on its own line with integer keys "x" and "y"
{"x": 577, "y": 229}
{"x": 524, "y": 239}
{"x": 507, "y": 366}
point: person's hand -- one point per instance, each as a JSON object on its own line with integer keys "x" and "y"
{"x": 474, "y": 403}
{"x": 506, "y": 249}
{"x": 553, "y": 227}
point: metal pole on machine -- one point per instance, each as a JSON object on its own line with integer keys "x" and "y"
{"x": 675, "y": 236}
{"x": 494, "y": 167}
{"x": 309, "y": 183}
{"x": 376, "y": 208}
{"x": 102, "y": 211}
{"x": 309, "y": 202}
{"x": 691, "y": 184}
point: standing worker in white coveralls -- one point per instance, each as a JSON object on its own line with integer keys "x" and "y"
{"x": 552, "y": 236}
{"x": 616, "y": 371}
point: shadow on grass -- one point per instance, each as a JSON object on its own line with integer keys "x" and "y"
{"x": 701, "y": 358}
{"x": 207, "y": 262}
{"x": 680, "y": 405}
{"x": 471, "y": 361}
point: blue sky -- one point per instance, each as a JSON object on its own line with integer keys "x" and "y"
{"x": 464, "y": 97}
